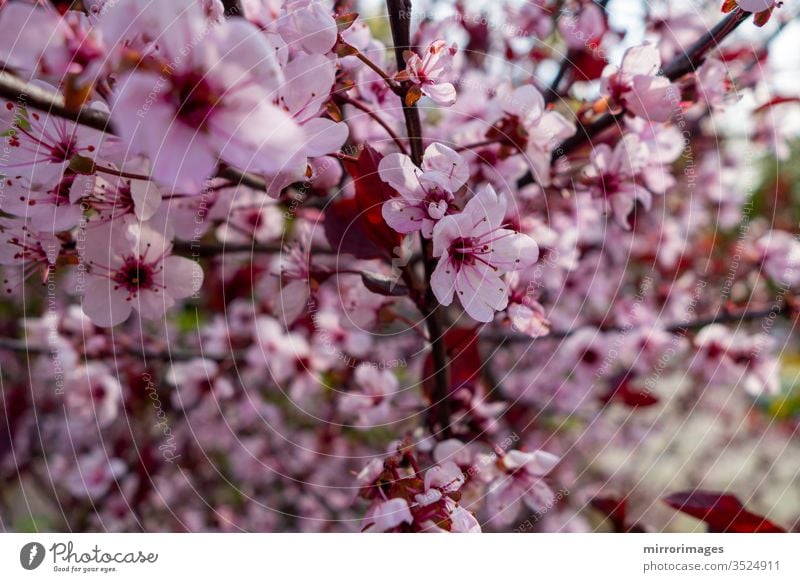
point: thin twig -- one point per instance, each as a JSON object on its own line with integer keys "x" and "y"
{"x": 391, "y": 83}
{"x": 198, "y": 249}
{"x": 169, "y": 355}
{"x": 722, "y": 317}
{"x": 681, "y": 65}
{"x": 363, "y": 107}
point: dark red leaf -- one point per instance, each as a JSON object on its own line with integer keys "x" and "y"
{"x": 722, "y": 512}
{"x": 776, "y": 101}
{"x": 371, "y": 193}
{"x": 588, "y": 65}
{"x": 625, "y": 392}
{"x": 461, "y": 345}
{"x": 346, "y": 233}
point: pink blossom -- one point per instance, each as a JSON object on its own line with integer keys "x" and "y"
{"x": 474, "y": 251}
{"x": 48, "y": 206}
{"x": 40, "y": 148}
{"x": 534, "y": 129}
{"x": 309, "y": 79}
{"x": 780, "y": 253}
{"x": 755, "y": 6}
{"x": 427, "y": 193}
{"x": 113, "y": 197}
{"x": 94, "y": 474}
{"x": 131, "y": 267}
{"x": 521, "y": 481}
{"x": 371, "y": 398}
{"x": 713, "y": 82}
{"x": 584, "y": 30}
{"x": 612, "y": 177}
{"x": 25, "y": 251}
{"x": 213, "y": 104}
{"x": 92, "y": 393}
{"x": 195, "y": 379}
{"x": 428, "y": 73}
{"x": 40, "y": 40}
{"x": 387, "y": 515}
{"x": 637, "y": 87}
{"x": 308, "y": 25}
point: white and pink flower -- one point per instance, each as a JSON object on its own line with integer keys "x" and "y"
{"x": 428, "y": 74}
{"x": 130, "y": 266}
{"x": 475, "y": 250}
{"x": 187, "y": 112}
{"x": 427, "y": 193}
{"x": 637, "y": 87}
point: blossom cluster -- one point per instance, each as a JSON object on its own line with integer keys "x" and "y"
{"x": 264, "y": 272}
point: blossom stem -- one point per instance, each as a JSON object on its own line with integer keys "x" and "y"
{"x": 194, "y": 249}
{"x": 121, "y": 174}
{"x": 391, "y": 83}
{"x": 478, "y": 144}
{"x": 363, "y": 107}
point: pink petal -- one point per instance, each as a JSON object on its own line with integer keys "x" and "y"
{"x": 105, "y": 306}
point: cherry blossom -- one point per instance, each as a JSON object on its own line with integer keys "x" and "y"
{"x": 184, "y": 120}
{"x": 612, "y": 176}
{"x": 371, "y": 399}
{"x": 92, "y": 393}
{"x": 637, "y": 87}
{"x": 428, "y": 73}
{"x": 40, "y": 147}
{"x": 48, "y": 43}
{"x": 474, "y": 251}
{"x": 521, "y": 480}
{"x": 308, "y": 25}
{"x": 131, "y": 267}
{"x": 426, "y": 194}
{"x": 536, "y": 131}
{"x": 26, "y": 250}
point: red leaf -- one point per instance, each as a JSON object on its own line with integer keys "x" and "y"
{"x": 722, "y": 512}
{"x": 588, "y": 65}
{"x": 371, "y": 193}
{"x": 461, "y": 345}
{"x": 616, "y": 511}
{"x": 776, "y": 101}
{"x": 624, "y": 392}
{"x": 346, "y": 233}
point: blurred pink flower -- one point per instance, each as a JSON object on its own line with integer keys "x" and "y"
{"x": 637, "y": 87}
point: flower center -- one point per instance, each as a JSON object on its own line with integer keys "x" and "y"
{"x": 64, "y": 150}
{"x": 134, "y": 274}
{"x": 195, "y": 99}
{"x": 463, "y": 250}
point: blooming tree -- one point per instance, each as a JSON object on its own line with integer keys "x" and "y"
{"x": 296, "y": 266}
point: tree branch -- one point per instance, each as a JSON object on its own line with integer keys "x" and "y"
{"x": 31, "y": 96}
{"x": 198, "y": 249}
{"x": 723, "y": 317}
{"x": 168, "y": 355}
{"x": 400, "y": 23}
{"x": 678, "y": 67}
